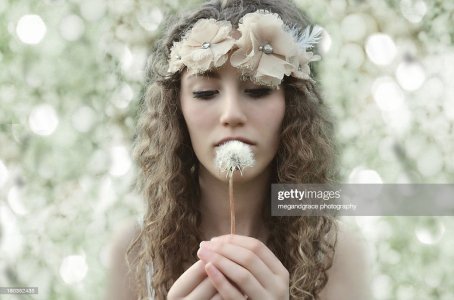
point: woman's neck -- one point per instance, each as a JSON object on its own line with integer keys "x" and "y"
{"x": 249, "y": 200}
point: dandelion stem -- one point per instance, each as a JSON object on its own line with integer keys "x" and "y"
{"x": 232, "y": 205}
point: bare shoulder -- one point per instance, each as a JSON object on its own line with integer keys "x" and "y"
{"x": 120, "y": 281}
{"x": 349, "y": 276}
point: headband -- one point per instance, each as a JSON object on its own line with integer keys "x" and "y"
{"x": 265, "y": 51}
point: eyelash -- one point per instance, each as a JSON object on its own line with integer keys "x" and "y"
{"x": 205, "y": 95}
{"x": 253, "y": 93}
{"x": 258, "y": 92}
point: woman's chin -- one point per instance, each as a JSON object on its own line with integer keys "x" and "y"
{"x": 238, "y": 176}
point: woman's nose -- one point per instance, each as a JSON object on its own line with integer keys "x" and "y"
{"x": 233, "y": 113}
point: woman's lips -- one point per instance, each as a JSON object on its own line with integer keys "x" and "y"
{"x": 238, "y": 138}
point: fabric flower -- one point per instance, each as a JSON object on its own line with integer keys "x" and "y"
{"x": 264, "y": 48}
{"x": 303, "y": 70}
{"x": 175, "y": 61}
{"x": 266, "y": 51}
{"x": 305, "y": 41}
{"x": 205, "y": 46}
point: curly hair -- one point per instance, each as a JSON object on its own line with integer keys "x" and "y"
{"x": 168, "y": 168}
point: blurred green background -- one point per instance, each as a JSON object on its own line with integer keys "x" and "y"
{"x": 70, "y": 79}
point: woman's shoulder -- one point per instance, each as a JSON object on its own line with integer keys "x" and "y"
{"x": 348, "y": 277}
{"x": 120, "y": 280}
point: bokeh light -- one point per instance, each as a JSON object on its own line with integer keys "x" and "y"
{"x": 150, "y": 20}
{"x": 430, "y": 231}
{"x": 12, "y": 240}
{"x": 410, "y": 75}
{"x": 354, "y": 27}
{"x": 126, "y": 58}
{"x": 83, "y": 119}
{"x": 326, "y": 41}
{"x": 123, "y": 97}
{"x": 72, "y": 27}
{"x": 381, "y": 287}
{"x": 430, "y": 163}
{"x": 3, "y": 174}
{"x": 43, "y": 119}
{"x": 364, "y": 175}
{"x": 70, "y": 87}
{"x": 413, "y": 10}
{"x": 73, "y": 269}
{"x": 121, "y": 162}
{"x": 15, "y": 201}
{"x": 353, "y": 54}
{"x": 93, "y": 10}
{"x": 387, "y": 94}
{"x": 380, "y": 48}
{"x": 31, "y": 29}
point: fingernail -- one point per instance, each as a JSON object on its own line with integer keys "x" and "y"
{"x": 201, "y": 244}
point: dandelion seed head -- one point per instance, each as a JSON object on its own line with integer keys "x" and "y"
{"x": 234, "y": 155}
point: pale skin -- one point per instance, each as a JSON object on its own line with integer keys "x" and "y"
{"x": 233, "y": 108}
{"x": 219, "y": 105}
{"x": 348, "y": 278}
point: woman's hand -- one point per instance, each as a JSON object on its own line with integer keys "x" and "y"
{"x": 247, "y": 263}
{"x": 193, "y": 284}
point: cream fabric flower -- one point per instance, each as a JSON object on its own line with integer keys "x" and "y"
{"x": 175, "y": 61}
{"x": 264, "y": 48}
{"x": 205, "y": 46}
{"x": 266, "y": 51}
{"x": 306, "y": 40}
{"x": 303, "y": 70}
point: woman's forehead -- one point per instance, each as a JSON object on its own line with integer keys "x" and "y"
{"x": 224, "y": 72}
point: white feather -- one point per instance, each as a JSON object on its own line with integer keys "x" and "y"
{"x": 310, "y": 37}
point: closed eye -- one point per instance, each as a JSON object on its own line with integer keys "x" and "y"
{"x": 258, "y": 92}
{"x": 205, "y": 95}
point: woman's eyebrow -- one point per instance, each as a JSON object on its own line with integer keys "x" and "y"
{"x": 207, "y": 74}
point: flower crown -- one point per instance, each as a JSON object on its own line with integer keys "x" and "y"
{"x": 265, "y": 51}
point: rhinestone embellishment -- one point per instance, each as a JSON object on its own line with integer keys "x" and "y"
{"x": 267, "y": 49}
{"x": 206, "y": 45}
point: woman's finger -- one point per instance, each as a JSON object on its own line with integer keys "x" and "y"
{"x": 205, "y": 290}
{"x": 233, "y": 271}
{"x": 190, "y": 279}
{"x": 256, "y": 246}
{"x": 216, "y": 297}
{"x": 245, "y": 258}
{"x": 225, "y": 289}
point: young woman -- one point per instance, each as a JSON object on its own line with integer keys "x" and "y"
{"x": 234, "y": 70}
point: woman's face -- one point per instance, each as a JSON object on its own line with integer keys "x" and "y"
{"x": 218, "y": 105}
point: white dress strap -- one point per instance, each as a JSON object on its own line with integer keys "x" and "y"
{"x": 148, "y": 270}
{"x": 150, "y": 291}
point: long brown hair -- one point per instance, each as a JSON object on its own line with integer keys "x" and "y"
{"x": 168, "y": 168}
